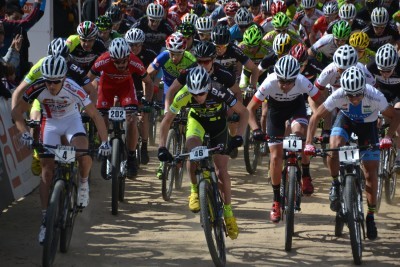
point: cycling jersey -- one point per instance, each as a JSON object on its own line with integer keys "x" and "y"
{"x": 180, "y": 14}
{"x": 306, "y": 22}
{"x": 217, "y": 14}
{"x": 266, "y": 25}
{"x": 63, "y": 105}
{"x": 330, "y": 75}
{"x": 113, "y": 35}
{"x": 368, "y": 56}
{"x": 312, "y": 69}
{"x": 320, "y": 26}
{"x": 170, "y": 70}
{"x": 325, "y": 45}
{"x": 389, "y": 35}
{"x": 366, "y": 111}
{"x": 154, "y": 40}
{"x": 258, "y": 56}
{"x": 389, "y": 87}
{"x": 232, "y": 55}
{"x": 146, "y": 56}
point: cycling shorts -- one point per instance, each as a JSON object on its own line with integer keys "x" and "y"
{"x": 125, "y": 91}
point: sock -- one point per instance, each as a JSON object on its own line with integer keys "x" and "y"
{"x": 228, "y": 210}
{"x": 277, "y": 192}
{"x": 84, "y": 181}
{"x": 306, "y": 170}
{"x": 371, "y": 210}
{"x": 144, "y": 145}
{"x": 335, "y": 180}
{"x": 132, "y": 154}
{"x": 194, "y": 188}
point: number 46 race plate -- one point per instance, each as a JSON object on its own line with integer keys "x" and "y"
{"x": 198, "y": 153}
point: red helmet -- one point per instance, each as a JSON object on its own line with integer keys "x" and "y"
{"x": 278, "y": 6}
{"x": 299, "y": 52}
{"x": 176, "y": 42}
{"x": 231, "y": 8}
{"x": 164, "y": 3}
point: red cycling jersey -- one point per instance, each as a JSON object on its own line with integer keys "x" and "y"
{"x": 116, "y": 83}
{"x": 320, "y": 25}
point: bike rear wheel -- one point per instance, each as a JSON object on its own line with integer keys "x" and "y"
{"x": 351, "y": 200}
{"x": 391, "y": 179}
{"x": 212, "y": 223}
{"x": 169, "y": 170}
{"x": 70, "y": 206}
{"x": 251, "y": 151}
{"x": 115, "y": 169}
{"x": 53, "y": 223}
{"x": 153, "y": 127}
{"x": 181, "y": 171}
{"x": 289, "y": 210}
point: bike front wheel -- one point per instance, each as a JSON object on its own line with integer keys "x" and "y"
{"x": 391, "y": 179}
{"x": 169, "y": 170}
{"x": 212, "y": 223}
{"x": 71, "y": 209}
{"x": 53, "y": 223}
{"x": 289, "y": 210}
{"x": 251, "y": 151}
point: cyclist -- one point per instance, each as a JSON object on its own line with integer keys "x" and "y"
{"x": 114, "y": 12}
{"x": 135, "y": 39}
{"x": 197, "y": 94}
{"x": 281, "y": 23}
{"x": 243, "y": 20}
{"x": 172, "y": 18}
{"x": 254, "y": 7}
{"x": 204, "y": 27}
{"x": 386, "y": 69}
{"x": 59, "y": 97}
{"x": 360, "y": 42}
{"x": 348, "y": 13}
{"x": 230, "y": 10}
{"x": 325, "y": 47}
{"x": 381, "y": 31}
{"x": 188, "y": 31}
{"x": 331, "y": 13}
{"x": 309, "y": 67}
{"x": 359, "y": 104}
{"x": 209, "y": 6}
{"x": 365, "y": 12}
{"x": 284, "y": 89}
{"x": 181, "y": 8}
{"x": 115, "y": 69}
{"x": 155, "y": 27}
{"x": 106, "y": 34}
{"x": 130, "y": 16}
{"x": 264, "y": 14}
{"x": 276, "y": 7}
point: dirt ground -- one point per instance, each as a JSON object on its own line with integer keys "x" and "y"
{"x": 151, "y": 232}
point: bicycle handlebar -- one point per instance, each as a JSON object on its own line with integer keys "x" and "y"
{"x": 214, "y": 150}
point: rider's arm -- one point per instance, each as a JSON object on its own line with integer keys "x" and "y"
{"x": 164, "y": 128}
{"x": 19, "y": 91}
{"x": 244, "y": 117}
{"x": 254, "y": 72}
{"x": 172, "y": 90}
{"x": 91, "y": 91}
{"x": 148, "y": 88}
{"x": 98, "y": 121}
{"x": 91, "y": 75}
{"x": 321, "y": 112}
{"x": 17, "y": 114}
{"x": 394, "y": 116}
{"x": 252, "y": 107}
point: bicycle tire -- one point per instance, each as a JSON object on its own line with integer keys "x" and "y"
{"x": 339, "y": 224}
{"x": 289, "y": 211}
{"x": 251, "y": 152}
{"x": 138, "y": 149}
{"x": 212, "y": 223}
{"x": 353, "y": 219}
{"x": 181, "y": 171}
{"x": 71, "y": 206}
{"x": 53, "y": 224}
{"x": 122, "y": 175}
{"x": 391, "y": 179}
{"x": 169, "y": 174}
{"x": 382, "y": 173}
{"x": 153, "y": 127}
{"x": 115, "y": 169}
{"x": 121, "y": 189}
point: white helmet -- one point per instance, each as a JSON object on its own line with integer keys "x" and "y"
{"x": 345, "y": 56}
{"x": 386, "y": 57}
{"x": 134, "y": 36}
{"x": 176, "y": 42}
{"x": 58, "y": 47}
{"x": 287, "y": 68}
{"x": 353, "y": 81}
{"x": 197, "y": 81}
{"x": 53, "y": 68}
{"x": 155, "y": 11}
{"x": 281, "y": 44}
{"x": 308, "y": 3}
{"x": 190, "y": 18}
{"x": 243, "y": 17}
{"x": 379, "y": 16}
{"x": 331, "y": 8}
{"x": 347, "y": 11}
{"x": 119, "y": 48}
{"x": 204, "y": 24}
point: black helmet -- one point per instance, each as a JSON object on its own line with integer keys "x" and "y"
{"x": 114, "y": 12}
{"x": 199, "y": 9}
{"x": 220, "y": 35}
{"x": 254, "y": 3}
{"x": 205, "y": 49}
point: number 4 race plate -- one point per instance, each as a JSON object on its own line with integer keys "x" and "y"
{"x": 64, "y": 154}
{"x": 198, "y": 153}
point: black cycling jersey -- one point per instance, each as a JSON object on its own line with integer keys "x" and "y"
{"x": 155, "y": 40}
{"x": 146, "y": 56}
{"x": 389, "y": 87}
{"x": 357, "y": 25}
{"x": 389, "y": 35}
{"x": 312, "y": 69}
{"x": 77, "y": 74}
{"x": 85, "y": 59}
{"x": 128, "y": 21}
{"x": 364, "y": 15}
{"x": 232, "y": 55}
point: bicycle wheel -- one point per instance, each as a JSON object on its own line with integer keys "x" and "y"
{"x": 53, "y": 223}
{"x": 338, "y": 225}
{"x": 153, "y": 127}
{"x": 251, "y": 151}
{"x": 70, "y": 207}
{"x": 351, "y": 196}
{"x": 169, "y": 174}
{"x": 212, "y": 223}
{"x": 289, "y": 210}
{"x": 115, "y": 168}
{"x": 391, "y": 179}
{"x": 180, "y": 171}
{"x": 122, "y": 175}
{"x": 381, "y": 177}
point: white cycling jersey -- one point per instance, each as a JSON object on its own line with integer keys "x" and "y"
{"x": 331, "y": 76}
{"x": 325, "y": 45}
{"x": 367, "y": 111}
{"x": 300, "y": 18}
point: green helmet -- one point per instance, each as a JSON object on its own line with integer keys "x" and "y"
{"x": 104, "y": 23}
{"x": 252, "y": 36}
{"x": 187, "y": 29}
{"x": 280, "y": 20}
{"x": 341, "y": 30}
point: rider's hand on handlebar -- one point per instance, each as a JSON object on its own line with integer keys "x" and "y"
{"x": 105, "y": 149}
{"x": 385, "y": 143}
{"x": 309, "y": 150}
{"x": 164, "y": 155}
{"x": 26, "y": 139}
{"x": 258, "y": 135}
{"x": 235, "y": 142}
{"x": 147, "y": 105}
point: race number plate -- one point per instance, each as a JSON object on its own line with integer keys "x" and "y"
{"x": 198, "y": 153}
{"x": 292, "y": 143}
{"x": 64, "y": 154}
{"x": 117, "y": 114}
{"x": 349, "y": 156}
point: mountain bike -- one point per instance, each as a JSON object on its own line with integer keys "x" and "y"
{"x": 352, "y": 184}
{"x": 211, "y": 204}
{"x": 387, "y": 178}
{"x": 153, "y": 121}
{"x": 62, "y": 207}
{"x": 176, "y": 139}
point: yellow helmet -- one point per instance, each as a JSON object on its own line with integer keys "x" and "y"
{"x": 210, "y": 1}
{"x": 359, "y": 39}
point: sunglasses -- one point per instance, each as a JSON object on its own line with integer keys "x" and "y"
{"x": 155, "y": 20}
{"x": 281, "y": 30}
{"x": 219, "y": 46}
{"x": 87, "y": 40}
{"x": 282, "y": 81}
{"x": 120, "y": 61}
{"x": 354, "y": 95}
{"x": 53, "y": 81}
{"x": 135, "y": 44}
{"x": 386, "y": 70}
{"x": 201, "y": 94}
{"x": 175, "y": 54}
{"x": 204, "y": 34}
{"x": 204, "y": 61}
